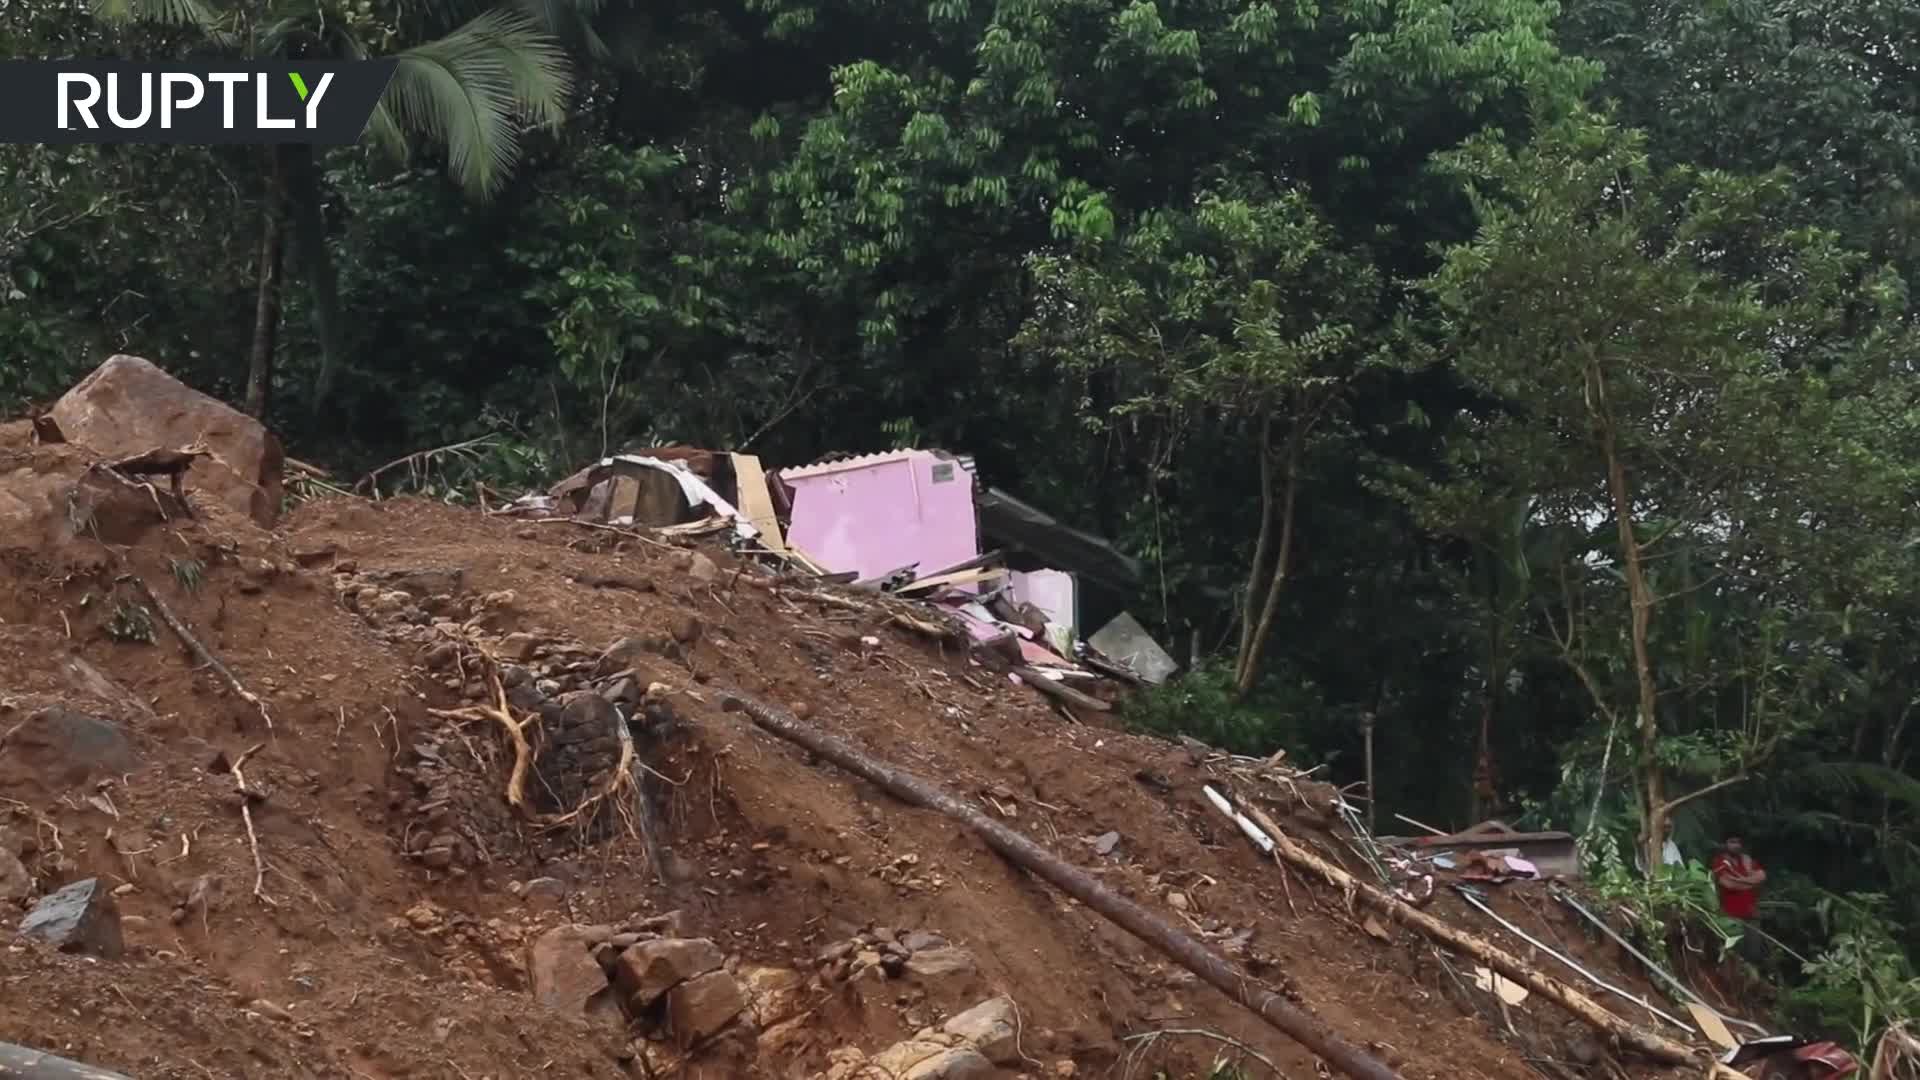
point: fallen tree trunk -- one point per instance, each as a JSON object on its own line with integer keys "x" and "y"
{"x": 30, "y": 1064}
{"x": 1136, "y": 920}
{"x": 1056, "y": 691}
{"x": 1580, "y": 1005}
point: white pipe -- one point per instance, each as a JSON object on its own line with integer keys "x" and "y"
{"x": 1254, "y": 833}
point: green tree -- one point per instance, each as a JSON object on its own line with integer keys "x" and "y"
{"x": 1644, "y": 394}
{"x": 1242, "y": 313}
{"x": 469, "y": 88}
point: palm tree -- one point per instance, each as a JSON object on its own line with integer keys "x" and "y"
{"x": 472, "y": 81}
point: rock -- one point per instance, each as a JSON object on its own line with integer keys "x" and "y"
{"x": 519, "y": 647}
{"x": 624, "y": 654}
{"x": 777, "y": 994}
{"x": 1105, "y": 843}
{"x": 15, "y": 883}
{"x": 562, "y": 971}
{"x": 25, "y": 845}
{"x": 701, "y": 1006}
{"x": 622, "y": 691}
{"x": 940, "y": 963}
{"x": 652, "y": 968}
{"x": 990, "y": 1027}
{"x": 544, "y": 892}
{"x": 922, "y": 940}
{"x": 702, "y": 569}
{"x": 673, "y": 924}
{"x": 81, "y": 917}
{"x": 908, "y": 1054}
{"x": 67, "y": 748}
{"x": 961, "y": 1064}
{"x": 836, "y": 951}
{"x": 128, "y": 406}
{"x": 526, "y": 698}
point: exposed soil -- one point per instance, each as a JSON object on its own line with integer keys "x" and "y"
{"x": 362, "y": 958}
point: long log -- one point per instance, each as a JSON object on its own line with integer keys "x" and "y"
{"x": 30, "y": 1064}
{"x": 1573, "y": 1001}
{"x": 1136, "y": 920}
{"x": 1056, "y": 691}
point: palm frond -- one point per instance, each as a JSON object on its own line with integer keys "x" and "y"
{"x": 473, "y": 91}
{"x": 569, "y": 21}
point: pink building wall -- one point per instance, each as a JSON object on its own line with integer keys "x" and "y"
{"x": 877, "y": 513}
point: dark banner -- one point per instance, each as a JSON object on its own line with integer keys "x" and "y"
{"x": 203, "y": 103}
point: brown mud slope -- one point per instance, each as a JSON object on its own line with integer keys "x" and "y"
{"x": 390, "y": 933}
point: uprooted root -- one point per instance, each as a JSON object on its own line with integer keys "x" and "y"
{"x": 616, "y": 788}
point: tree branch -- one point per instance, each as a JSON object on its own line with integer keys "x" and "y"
{"x": 1668, "y": 808}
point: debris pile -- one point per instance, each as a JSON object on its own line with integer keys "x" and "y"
{"x": 908, "y": 523}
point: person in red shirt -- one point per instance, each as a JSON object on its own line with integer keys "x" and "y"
{"x": 1738, "y": 878}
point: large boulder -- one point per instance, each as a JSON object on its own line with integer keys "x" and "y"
{"x": 128, "y": 406}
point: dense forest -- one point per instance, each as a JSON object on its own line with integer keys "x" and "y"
{"x": 1534, "y": 388}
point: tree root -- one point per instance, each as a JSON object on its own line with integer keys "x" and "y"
{"x": 616, "y": 786}
{"x": 247, "y": 795}
{"x": 199, "y": 649}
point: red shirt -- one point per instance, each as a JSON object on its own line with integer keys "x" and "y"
{"x": 1737, "y": 903}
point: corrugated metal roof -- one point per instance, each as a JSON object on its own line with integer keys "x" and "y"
{"x": 861, "y": 461}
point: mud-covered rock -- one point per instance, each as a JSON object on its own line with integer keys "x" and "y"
{"x": 650, "y": 969}
{"x": 702, "y": 1006}
{"x": 562, "y": 970}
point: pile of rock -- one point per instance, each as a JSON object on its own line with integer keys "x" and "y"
{"x": 670, "y": 987}
{"x": 881, "y": 952}
{"x": 968, "y": 1046}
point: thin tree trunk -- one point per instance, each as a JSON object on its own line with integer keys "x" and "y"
{"x": 1256, "y": 572}
{"x": 1484, "y": 793}
{"x": 1249, "y": 670}
{"x": 304, "y": 200}
{"x": 1149, "y": 927}
{"x": 1641, "y": 597}
{"x": 266, "y": 304}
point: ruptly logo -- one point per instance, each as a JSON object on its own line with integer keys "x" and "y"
{"x": 62, "y": 102}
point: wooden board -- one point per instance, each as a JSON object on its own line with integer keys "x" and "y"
{"x": 1712, "y": 1026}
{"x": 750, "y": 483}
